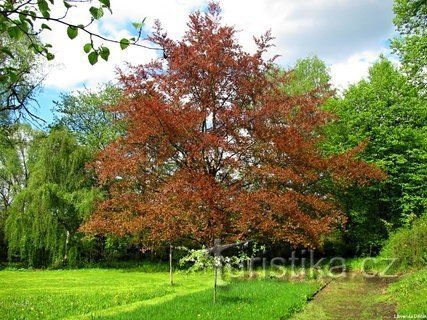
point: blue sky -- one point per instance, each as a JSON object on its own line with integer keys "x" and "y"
{"x": 349, "y": 35}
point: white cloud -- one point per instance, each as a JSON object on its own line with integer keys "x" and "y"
{"x": 352, "y": 69}
{"x": 347, "y": 34}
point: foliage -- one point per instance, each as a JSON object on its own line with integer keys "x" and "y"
{"x": 13, "y": 171}
{"x": 14, "y": 163}
{"x": 199, "y": 258}
{"x": 388, "y": 113}
{"x": 44, "y": 217}
{"x": 202, "y": 259}
{"x": 22, "y": 21}
{"x": 410, "y": 292}
{"x": 114, "y": 294}
{"x": 309, "y": 75}
{"x": 411, "y": 43}
{"x": 86, "y": 113}
{"x": 20, "y": 78}
{"x": 215, "y": 150}
{"x": 408, "y": 246}
{"x": 18, "y": 19}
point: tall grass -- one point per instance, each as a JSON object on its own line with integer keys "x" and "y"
{"x": 408, "y": 246}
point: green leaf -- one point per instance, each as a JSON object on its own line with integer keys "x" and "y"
{"x": 37, "y": 48}
{"x": 45, "y": 14}
{"x": 105, "y": 3}
{"x": 13, "y": 76}
{"x": 24, "y": 27}
{"x": 87, "y": 47}
{"x": 29, "y": 22}
{"x": 50, "y": 56}
{"x": 43, "y": 5}
{"x": 72, "y": 32}
{"x": 7, "y": 51}
{"x": 22, "y": 17}
{"x": 93, "y": 57}
{"x": 45, "y": 26}
{"x": 67, "y": 5}
{"x": 124, "y": 43}
{"x": 104, "y": 53}
{"x": 44, "y": 8}
{"x": 3, "y": 77}
{"x": 96, "y": 13}
{"x": 32, "y": 15}
{"x": 137, "y": 25}
{"x": 14, "y": 32}
{"x": 3, "y": 26}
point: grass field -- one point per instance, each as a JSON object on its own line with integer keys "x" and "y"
{"x": 124, "y": 294}
{"x": 410, "y": 292}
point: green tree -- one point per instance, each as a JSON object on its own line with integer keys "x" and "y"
{"x": 13, "y": 171}
{"x": 309, "y": 75}
{"x": 389, "y": 114}
{"x": 21, "y": 76}
{"x": 43, "y": 220}
{"x": 87, "y": 114}
{"x": 411, "y": 43}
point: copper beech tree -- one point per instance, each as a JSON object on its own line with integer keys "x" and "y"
{"x": 215, "y": 149}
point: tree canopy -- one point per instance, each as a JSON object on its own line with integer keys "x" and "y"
{"x": 44, "y": 218}
{"x": 20, "y": 79}
{"x": 309, "y": 75}
{"x": 388, "y": 112}
{"x": 411, "y": 43}
{"x": 215, "y": 149}
{"x": 87, "y": 114}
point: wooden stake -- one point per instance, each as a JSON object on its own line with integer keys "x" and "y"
{"x": 216, "y": 251}
{"x": 170, "y": 265}
{"x": 215, "y": 282}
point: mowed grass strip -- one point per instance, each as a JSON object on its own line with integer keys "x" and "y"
{"x": 118, "y": 294}
{"x": 249, "y": 299}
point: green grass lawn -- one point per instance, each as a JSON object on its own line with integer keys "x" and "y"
{"x": 410, "y": 292}
{"x": 124, "y": 294}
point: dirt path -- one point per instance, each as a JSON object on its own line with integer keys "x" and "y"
{"x": 353, "y": 297}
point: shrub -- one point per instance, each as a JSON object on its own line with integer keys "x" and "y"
{"x": 408, "y": 245}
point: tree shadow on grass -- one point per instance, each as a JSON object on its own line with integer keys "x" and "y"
{"x": 239, "y": 300}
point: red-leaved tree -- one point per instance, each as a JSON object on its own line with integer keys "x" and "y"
{"x": 215, "y": 149}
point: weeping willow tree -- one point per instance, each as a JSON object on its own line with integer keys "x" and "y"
{"x": 42, "y": 226}
{"x": 13, "y": 171}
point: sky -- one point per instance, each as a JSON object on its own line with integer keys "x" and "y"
{"x": 348, "y": 35}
